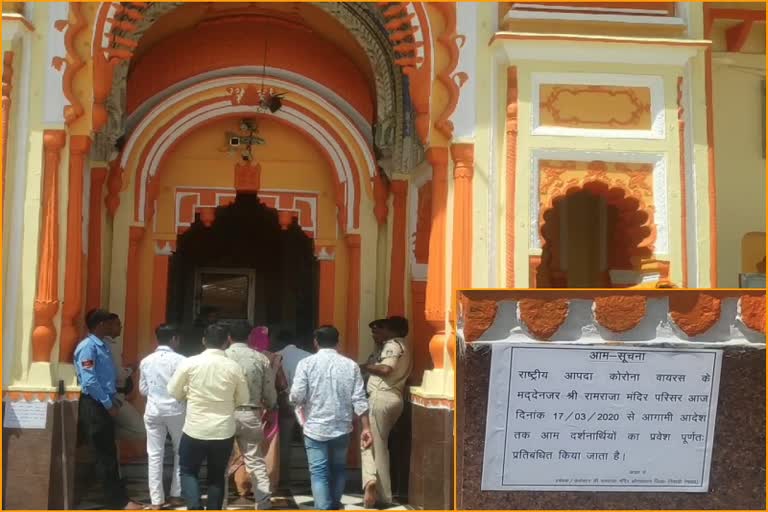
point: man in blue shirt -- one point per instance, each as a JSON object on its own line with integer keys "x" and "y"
{"x": 99, "y": 406}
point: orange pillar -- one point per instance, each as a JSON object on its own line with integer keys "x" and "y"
{"x": 47, "y": 300}
{"x": 93, "y": 291}
{"x": 71, "y": 330}
{"x": 463, "y": 172}
{"x": 511, "y": 173}
{"x": 436, "y": 280}
{"x": 7, "y": 88}
{"x": 131, "y": 330}
{"x": 353, "y": 296}
{"x": 326, "y": 257}
{"x": 396, "y": 305}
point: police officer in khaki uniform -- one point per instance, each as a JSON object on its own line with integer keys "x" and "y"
{"x": 388, "y": 369}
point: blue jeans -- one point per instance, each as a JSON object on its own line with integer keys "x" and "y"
{"x": 327, "y": 470}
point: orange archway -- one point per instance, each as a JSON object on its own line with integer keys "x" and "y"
{"x": 632, "y": 233}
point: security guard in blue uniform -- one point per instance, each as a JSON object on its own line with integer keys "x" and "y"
{"x": 98, "y": 406}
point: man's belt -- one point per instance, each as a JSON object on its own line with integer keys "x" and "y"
{"x": 248, "y": 408}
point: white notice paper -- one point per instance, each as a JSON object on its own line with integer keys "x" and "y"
{"x": 573, "y": 418}
{"x": 29, "y": 415}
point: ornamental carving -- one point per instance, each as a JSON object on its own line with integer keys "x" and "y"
{"x": 596, "y": 107}
{"x": 453, "y": 82}
{"x": 543, "y": 317}
{"x": 626, "y": 188}
{"x": 192, "y": 201}
{"x": 694, "y": 314}
{"x": 752, "y": 309}
{"x": 620, "y": 313}
{"x": 397, "y": 150}
{"x": 619, "y": 183}
{"x": 73, "y": 62}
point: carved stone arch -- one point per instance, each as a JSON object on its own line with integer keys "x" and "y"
{"x": 395, "y": 148}
{"x": 121, "y": 26}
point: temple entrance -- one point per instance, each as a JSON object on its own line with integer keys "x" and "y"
{"x": 591, "y": 241}
{"x": 240, "y": 263}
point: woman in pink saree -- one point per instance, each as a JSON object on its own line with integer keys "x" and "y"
{"x": 259, "y": 340}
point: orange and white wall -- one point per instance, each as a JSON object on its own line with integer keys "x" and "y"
{"x": 562, "y": 114}
{"x": 468, "y": 216}
{"x": 87, "y": 233}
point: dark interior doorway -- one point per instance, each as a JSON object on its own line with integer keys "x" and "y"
{"x": 245, "y": 266}
{"x": 581, "y": 235}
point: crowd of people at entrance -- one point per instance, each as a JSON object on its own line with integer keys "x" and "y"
{"x": 233, "y": 408}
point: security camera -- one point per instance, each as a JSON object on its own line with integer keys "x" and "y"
{"x": 246, "y": 156}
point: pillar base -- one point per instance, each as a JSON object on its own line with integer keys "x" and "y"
{"x": 431, "y": 479}
{"x": 32, "y": 463}
{"x": 437, "y": 383}
{"x": 41, "y": 375}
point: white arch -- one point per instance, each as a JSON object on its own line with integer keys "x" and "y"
{"x": 318, "y": 89}
{"x": 361, "y": 140}
{"x": 159, "y": 147}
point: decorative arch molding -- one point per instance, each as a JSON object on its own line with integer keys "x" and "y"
{"x": 291, "y": 204}
{"x": 634, "y": 226}
{"x": 347, "y": 184}
{"x": 324, "y": 106}
{"x": 318, "y": 92}
{"x": 346, "y": 150}
{"x": 642, "y": 176}
{"x": 119, "y": 27}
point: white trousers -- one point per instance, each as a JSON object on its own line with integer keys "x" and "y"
{"x": 158, "y": 427}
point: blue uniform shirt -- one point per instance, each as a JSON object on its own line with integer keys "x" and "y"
{"x": 96, "y": 370}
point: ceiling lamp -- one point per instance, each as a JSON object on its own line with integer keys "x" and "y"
{"x": 269, "y": 100}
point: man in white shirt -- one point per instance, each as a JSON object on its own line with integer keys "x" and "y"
{"x": 163, "y": 414}
{"x": 329, "y": 388}
{"x": 213, "y": 386}
{"x": 291, "y": 355}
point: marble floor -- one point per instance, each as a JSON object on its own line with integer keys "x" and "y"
{"x": 297, "y": 497}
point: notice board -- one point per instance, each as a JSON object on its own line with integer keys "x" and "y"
{"x": 586, "y": 418}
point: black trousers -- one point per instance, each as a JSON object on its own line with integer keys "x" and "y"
{"x": 192, "y": 453}
{"x": 97, "y": 429}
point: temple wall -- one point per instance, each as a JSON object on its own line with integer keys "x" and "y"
{"x": 684, "y": 246}
{"x": 739, "y": 153}
{"x": 24, "y": 193}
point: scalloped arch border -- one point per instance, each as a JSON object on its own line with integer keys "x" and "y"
{"x": 639, "y": 245}
{"x": 347, "y": 150}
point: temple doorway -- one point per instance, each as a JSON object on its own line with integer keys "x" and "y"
{"x": 242, "y": 262}
{"x": 591, "y": 241}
